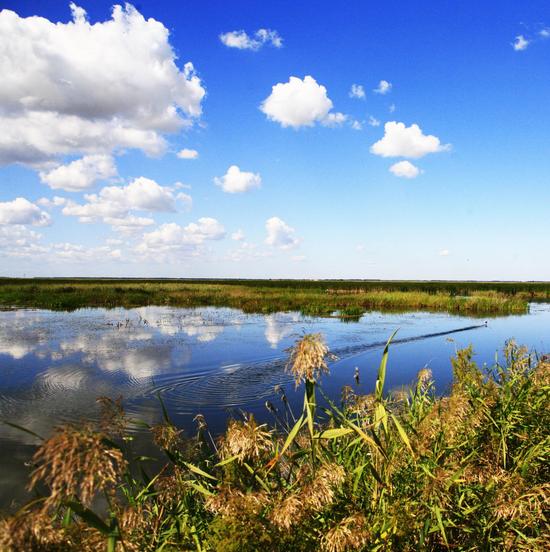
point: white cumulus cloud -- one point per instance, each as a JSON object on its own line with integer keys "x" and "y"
{"x": 242, "y": 41}
{"x": 22, "y": 211}
{"x": 238, "y": 235}
{"x": 357, "y": 91}
{"x": 280, "y": 234}
{"x": 82, "y": 88}
{"x": 383, "y": 87}
{"x": 402, "y": 141}
{"x": 173, "y": 238}
{"x": 444, "y": 253}
{"x": 405, "y": 169}
{"x": 186, "y": 153}
{"x": 334, "y": 119}
{"x": 235, "y": 181}
{"x": 298, "y": 103}
{"x": 80, "y": 174}
{"x": 113, "y": 204}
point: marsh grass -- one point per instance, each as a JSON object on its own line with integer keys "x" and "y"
{"x": 346, "y": 299}
{"x": 401, "y": 471}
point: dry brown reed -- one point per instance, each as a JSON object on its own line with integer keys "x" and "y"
{"x": 307, "y": 359}
{"x": 348, "y": 535}
{"x": 233, "y": 502}
{"x": 245, "y": 440}
{"x": 76, "y": 464}
{"x": 311, "y": 497}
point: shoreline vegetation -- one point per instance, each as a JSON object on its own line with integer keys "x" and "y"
{"x": 345, "y": 298}
{"x": 404, "y": 470}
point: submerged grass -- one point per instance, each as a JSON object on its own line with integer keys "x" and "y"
{"x": 407, "y": 471}
{"x": 322, "y": 298}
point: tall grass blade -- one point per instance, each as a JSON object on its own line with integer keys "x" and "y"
{"x": 379, "y": 390}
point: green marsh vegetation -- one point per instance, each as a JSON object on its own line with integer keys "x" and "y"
{"x": 387, "y": 471}
{"x": 313, "y": 297}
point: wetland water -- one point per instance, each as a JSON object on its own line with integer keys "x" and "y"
{"x": 213, "y": 361}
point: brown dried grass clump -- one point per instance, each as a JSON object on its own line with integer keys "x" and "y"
{"x": 246, "y": 440}
{"x": 139, "y": 528}
{"x": 313, "y": 497}
{"x": 76, "y": 464}
{"x": 287, "y": 513}
{"x": 166, "y": 436}
{"x": 322, "y": 490}
{"x": 32, "y": 532}
{"x": 233, "y": 502}
{"x": 307, "y": 359}
{"x": 541, "y": 374}
{"x": 350, "y": 534}
{"x": 424, "y": 378}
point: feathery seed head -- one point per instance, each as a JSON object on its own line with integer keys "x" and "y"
{"x": 308, "y": 357}
{"x": 76, "y": 463}
{"x": 350, "y": 534}
{"x": 245, "y": 440}
{"x": 233, "y": 502}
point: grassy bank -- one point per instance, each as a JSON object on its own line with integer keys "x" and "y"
{"x": 405, "y": 471}
{"x": 261, "y": 296}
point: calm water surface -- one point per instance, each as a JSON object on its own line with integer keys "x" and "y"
{"x": 213, "y": 361}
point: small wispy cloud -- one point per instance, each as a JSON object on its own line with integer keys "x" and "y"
{"x": 526, "y": 39}
{"x": 373, "y": 121}
{"x": 243, "y": 41}
{"x": 384, "y": 87}
{"x": 357, "y": 91}
{"x": 520, "y": 43}
{"x": 444, "y": 253}
{"x": 186, "y": 153}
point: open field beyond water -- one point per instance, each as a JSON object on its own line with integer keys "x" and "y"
{"x": 313, "y": 297}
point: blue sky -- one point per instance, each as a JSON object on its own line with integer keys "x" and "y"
{"x": 97, "y": 110}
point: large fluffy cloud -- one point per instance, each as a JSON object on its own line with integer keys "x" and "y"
{"x": 77, "y": 87}
{"x": 235, "y": 181}
{"x": 280, "y": 234}
{"x": 242, "y": 41}
{"x": 298, "y": 103}
{"x": 173, "y": 238}
{"x": 81, "y": 174}
{"x": 22, "y": 211}
{"x": 113, "y": 204}
{"x": 402, "y": 141}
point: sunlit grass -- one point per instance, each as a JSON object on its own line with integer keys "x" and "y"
{"x": 387, "y": 471}
{"x": 323, "y": 299}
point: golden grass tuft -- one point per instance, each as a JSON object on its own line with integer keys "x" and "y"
{"x": 307, "y": 359}
{"x": 245, "y": 440}
{"x": 233, "y": 502}
{"x": 348, "y": 535}
{"x": 76, "y": 464}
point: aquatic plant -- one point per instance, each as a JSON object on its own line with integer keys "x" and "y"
{"x": 387, "y": 471}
